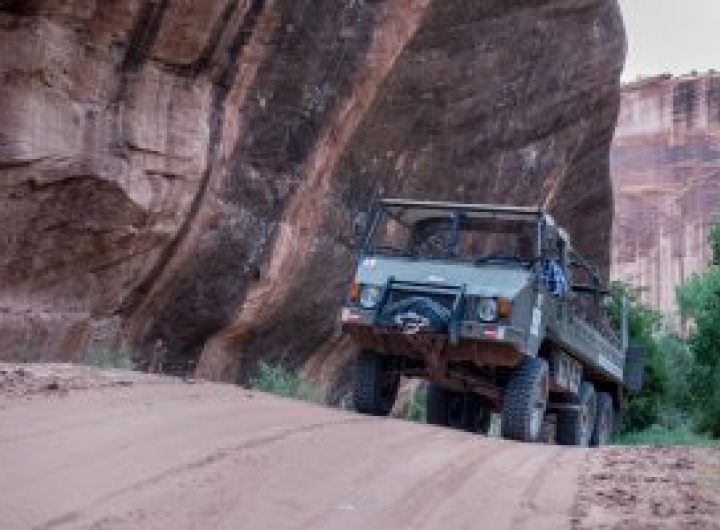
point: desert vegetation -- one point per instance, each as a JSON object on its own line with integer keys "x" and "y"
{"x": 680, "y": 399}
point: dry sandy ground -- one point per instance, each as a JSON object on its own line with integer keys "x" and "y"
{"x": 86, "y": 449}
{"x": 643, "y": 488}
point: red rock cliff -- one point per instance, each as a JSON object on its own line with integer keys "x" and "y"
{"x": 188, "y": 171}
{"x": 666, "y": 174}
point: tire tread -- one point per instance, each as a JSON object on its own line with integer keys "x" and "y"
{"x": 516, "y": 414}
{"x": 367, "y": 395}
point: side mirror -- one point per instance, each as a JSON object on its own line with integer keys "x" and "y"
{"x": 360, "y": 226}
{"x": 634, "y": 368}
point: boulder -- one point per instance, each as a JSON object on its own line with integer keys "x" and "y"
{"x": 189, "y": 172}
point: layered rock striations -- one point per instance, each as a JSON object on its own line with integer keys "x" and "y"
{"x": 188, "y": 172}
{"x": 666, "y": 175}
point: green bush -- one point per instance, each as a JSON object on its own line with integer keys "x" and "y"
{"x": 648, "y": 406}
{"x": 416, "y": 409}
{"x": 661, "y": 436}
{"x": 700, "y": 301}
{"x": 681, "y": 391}
{"x": 280, "y": 380}
{"x": 104, "y": 357}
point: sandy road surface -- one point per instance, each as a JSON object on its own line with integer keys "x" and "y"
{"x": 170, "y": 455}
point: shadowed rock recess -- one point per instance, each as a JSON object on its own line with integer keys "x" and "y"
{"x": 188, "y": 171}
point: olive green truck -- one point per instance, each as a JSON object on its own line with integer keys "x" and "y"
{"x": 493, "y": 307}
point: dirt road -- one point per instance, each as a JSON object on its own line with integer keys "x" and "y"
{"x": 159, "y": 453}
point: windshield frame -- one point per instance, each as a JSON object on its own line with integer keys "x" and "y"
{"x": 456, "y": 213}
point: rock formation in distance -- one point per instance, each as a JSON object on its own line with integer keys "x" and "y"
{"x": 665, "y": 166}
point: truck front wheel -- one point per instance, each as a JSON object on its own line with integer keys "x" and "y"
{"x": 376, "y": 385}
{"x": 577, "y": 419}
{"x": 525, "y": 400}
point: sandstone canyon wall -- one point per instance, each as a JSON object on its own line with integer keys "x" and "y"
{"x": 189, "y": 171}
{"x": 666, "y": 173}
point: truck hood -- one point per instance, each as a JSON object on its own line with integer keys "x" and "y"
{"x": 480, "y": 280}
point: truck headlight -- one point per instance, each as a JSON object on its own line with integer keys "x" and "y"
{"x": 370, "y": 296}
{"x": 488, "y": 309}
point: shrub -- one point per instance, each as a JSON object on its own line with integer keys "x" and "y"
{"x": 104, "y": 357}
{"x": 700, "y": 300}
{"x": 648, "y": 406}
{"x": 416, "y": 409}
{"x": 661, "y": 436}
{"x": 280, "y": 380}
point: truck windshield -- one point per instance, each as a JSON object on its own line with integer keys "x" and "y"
{"x": 455, "y": 235}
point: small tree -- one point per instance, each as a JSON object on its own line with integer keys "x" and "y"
{"x": 648, "y": 407}
{"x": 700, "y": 300}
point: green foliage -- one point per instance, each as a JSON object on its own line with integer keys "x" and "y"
{"x": 715, "y": 243}
{"x": 104, "y": 357}
{"x": 700, "y": 301}
{"x": 681, "y": 391}
{"x": 662, "y": 436}
{"x": 280, "y": 380}
{"x": 651, "y": 405}
{"x": 678, "y": 365}
{"x": 416, "y": 409}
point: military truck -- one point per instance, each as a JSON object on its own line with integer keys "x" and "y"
{"x": 496, "y": 310}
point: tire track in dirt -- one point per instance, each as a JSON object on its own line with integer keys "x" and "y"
{"x": 498, "y": 488}
{"x": 433, "y": 490}
{"x": 215, "y": 457}
{"x": 536, "y": 503}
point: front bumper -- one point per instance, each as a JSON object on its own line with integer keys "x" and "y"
{"x": 361, "y": 321}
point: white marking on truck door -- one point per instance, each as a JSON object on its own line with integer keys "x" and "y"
{"x": 536, "y": 321}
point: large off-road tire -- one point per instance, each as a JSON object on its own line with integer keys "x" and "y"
{"x": 576, "y": 422}
{"x": 604, "y": 420}
{"x": 525, "y": 400}
{"x": 464, "y": 411}
{"x": 376, "y": 386}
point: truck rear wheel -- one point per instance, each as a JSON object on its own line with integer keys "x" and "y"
{"x": 604, "y": 420}
{"x": 376, "y": 386}
{"x": 525, "y": 400}
{"x": 576, "y": 421}
{"x": 458, "y": 410}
